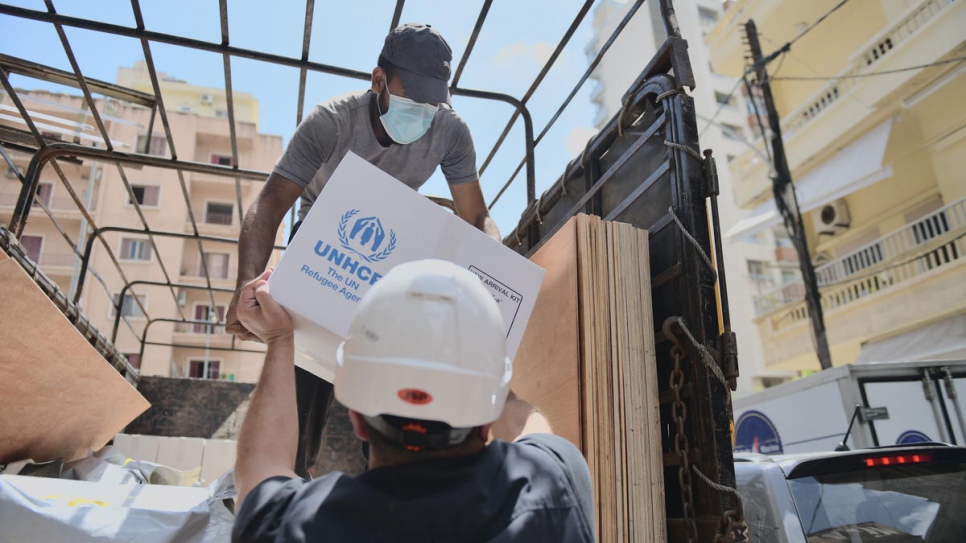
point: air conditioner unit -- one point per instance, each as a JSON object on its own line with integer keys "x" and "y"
{"x": 207, "y": 99}
{"x": 832, "y": 218}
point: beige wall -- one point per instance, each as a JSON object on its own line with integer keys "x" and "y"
{"x": 196, "y": 135}
{"x": 923, "y": 147}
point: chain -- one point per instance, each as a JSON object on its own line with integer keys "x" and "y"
{"x": 732, "y": 527}
{"x": 680, "y": 413}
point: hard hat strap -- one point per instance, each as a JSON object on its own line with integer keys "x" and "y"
{"x": 418, "y": 435}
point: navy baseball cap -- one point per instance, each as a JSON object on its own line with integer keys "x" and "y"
{"x": 423, "y": 58}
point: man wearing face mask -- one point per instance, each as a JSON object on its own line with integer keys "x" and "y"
{"x": 404, "y": 125}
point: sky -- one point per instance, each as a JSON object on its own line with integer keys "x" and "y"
{"x": 515, "y": 42}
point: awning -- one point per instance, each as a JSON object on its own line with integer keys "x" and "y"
{"x": 943, "y": 340}
{"x": 855, "y": 167}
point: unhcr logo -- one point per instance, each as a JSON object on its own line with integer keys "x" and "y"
{"x": 366, "y": 237}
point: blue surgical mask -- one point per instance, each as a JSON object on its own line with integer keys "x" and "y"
{"x": 406, "y": 121}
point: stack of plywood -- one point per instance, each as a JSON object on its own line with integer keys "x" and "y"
{"x": 587, "y": 361}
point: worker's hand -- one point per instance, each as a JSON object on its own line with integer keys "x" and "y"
{"x": 260, "y": 313}
{"x": 233, "y": 326}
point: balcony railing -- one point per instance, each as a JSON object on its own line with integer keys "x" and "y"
{"x": 57, "y": 203}
{"x": 57, "y": 259}
{"x": 935, "y": 240}
{"x": 875, "y": 50}
{"x": 903, "y": 241}
{"x": 199, "y": 327}
{"x": 787, "y": 294}
{"x": 215, "y": 273}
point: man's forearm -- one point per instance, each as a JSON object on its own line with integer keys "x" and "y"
{"x": 518, "y": 419}
{"x": 269, "y": 434}
{"x": 489, "y": 228}
{"x": 255, "y": 243}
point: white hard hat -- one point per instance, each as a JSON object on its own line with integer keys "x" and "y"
{"x": 427, "y": 342}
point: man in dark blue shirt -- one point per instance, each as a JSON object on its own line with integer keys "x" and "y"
{"x": 454, "y": 455}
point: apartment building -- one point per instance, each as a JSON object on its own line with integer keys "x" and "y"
{"x": 872, "y": 117}
{"x": 754, "y": 264}
{"x": 149, "y": 230}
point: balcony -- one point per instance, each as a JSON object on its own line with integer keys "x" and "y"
{"x": 61, "y": 207}
{"x": 904, "y": 278}
{"x": 193, "y": 275}
{"x": 900, "y": 256}
{"x": 201, "y": 334}
{"x": 869, "y": 57}
{"x": 926, "y": 32}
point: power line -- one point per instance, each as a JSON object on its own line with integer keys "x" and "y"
{"x": 869, "y": 74}
{"x": 722, "y": 104}
{"x": 780, "y": 52}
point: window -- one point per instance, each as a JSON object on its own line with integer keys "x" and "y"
{"x": 218, "y": 213}
{"x": 724, "y": 99}
{"x": 134, "y": 359}
{"x": 145, "y": 195}
{"x": 44, "y": 190}
{"x": 707, "y": 16}
{"x": 129, "y": 308}
{"x": 217, "y": 265}
{"x": 202, "y": 313}
{"x": 732, "y": 132}
{"x": 158, "y": 146}
{"x": 222, "y": 160}
{"x": 135, "y": 249}
{"x": 789, "y": 277}
{"x": 31, "y": 246}
{"x": 756, "y": 270}
{"x": 204, "y": 369}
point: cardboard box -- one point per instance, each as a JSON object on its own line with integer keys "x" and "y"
{"x": 363, "y": 224}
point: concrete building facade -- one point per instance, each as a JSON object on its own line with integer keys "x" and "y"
{"x": 162, "y": 200}
{"x": 754, "y": 264}
{"x": 872, "y": 117}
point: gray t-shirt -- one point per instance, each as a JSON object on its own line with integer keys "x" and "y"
{"x": 342, "y": 124}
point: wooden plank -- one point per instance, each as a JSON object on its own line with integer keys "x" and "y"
{"x": 646, "y": 384}
{"x": 588, "y": 360}
{"x": 590, "y": 420}
{"x": 57, "y": 398}
{"x": 545, "y": 370}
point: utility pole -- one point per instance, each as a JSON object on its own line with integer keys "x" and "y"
{"x": 787, "y": 202}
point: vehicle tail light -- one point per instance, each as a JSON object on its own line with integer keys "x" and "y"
{"x": 897, "y": 460}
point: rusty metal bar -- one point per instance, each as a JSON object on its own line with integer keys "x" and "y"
{"x": 536, "y": 83}
{"x": 55, "y": 75}
{"x": 88, "y": 97}
{"x": 306, "y": 42}
{"x": 153, "y": 74}
{"x": 397, "y": 14}
{"x": 470, "y": 44}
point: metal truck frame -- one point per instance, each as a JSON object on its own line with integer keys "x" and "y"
{"x": 644, "y": 168}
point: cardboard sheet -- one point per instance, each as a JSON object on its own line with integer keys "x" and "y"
{"x": 545, "y": 371}
{"x": 58, "y": 396}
